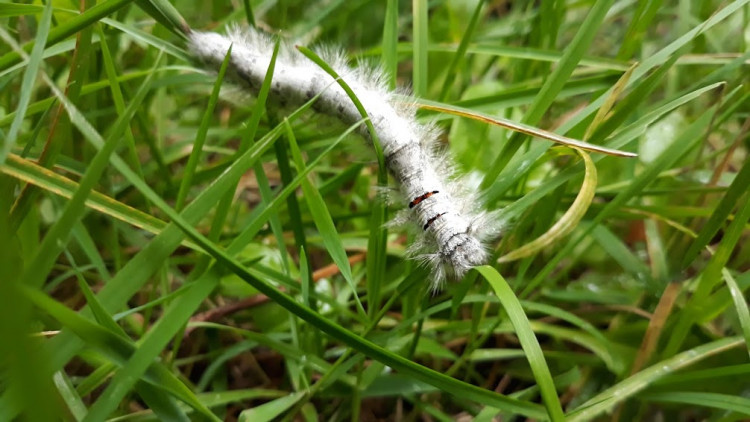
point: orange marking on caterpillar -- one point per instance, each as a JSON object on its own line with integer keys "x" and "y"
{"x": 421, "y": 198}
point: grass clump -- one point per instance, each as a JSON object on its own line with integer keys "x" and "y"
{"x": 252, "y": 277}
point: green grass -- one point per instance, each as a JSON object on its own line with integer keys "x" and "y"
{"x": 170, "y": 252}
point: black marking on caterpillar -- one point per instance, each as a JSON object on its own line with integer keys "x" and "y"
{"x": 432, "y": 220}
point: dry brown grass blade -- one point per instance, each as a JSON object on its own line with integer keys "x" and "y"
{"x": 523, "y": 128}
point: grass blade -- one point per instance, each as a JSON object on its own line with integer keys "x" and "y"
{"x": 70, "y": 27}
{"x": 568, "y": 221}
{"x": 390, "y": 42}
{"x": 570, "y": 59}
{"x": 58, "y": 234}
{"x": 323, "y": 221}
{"x": 632, "y": 385}
{"x": 200, "y": 137}
{"x": 528, "y": 340}
{"x": 29, "y": 77}
{"x": 421, "y": 47}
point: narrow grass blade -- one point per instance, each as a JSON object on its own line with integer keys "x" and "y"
{"x": 725, "y": 402}
{"x": 117, "y": 97}
{"x": 632, "y": 101}
{"x": 52, "y": 182}
{"x": 528, "y": 341}
{"x": 382, "y": 175}
{"x": 161, "y": 404}
{"x": 247, "y": 140}
{"x": 612, "y": 97}
{"x": 711, "y": 275}
{"x": 566, "y": 316}
{"x": 175, "y": 317}
{"x": 740, "y": 305}
{"x": 292, "y": 204}
{"x": 68, "y": 28}
{"x": 554, "y": 83}
{"x": 60, "y": 131}
{"x": 114, "y": 345}
{"x": 616, "y": 248}
{"x": 390, "y": 42}
{"x": 639, "y": 24}
{"x": 88, "y": 245}
{"x": 459, "y": 56}
{"x": 200, "y": 137}
{"x": 260, "y": 173}
{"x": 69, "y": 395}
{"x": 26, "y": 369}
{"x": 57, "y": 236}
{"x": 323, "y": 221}
{"x": 29, "y": 77}
{"x": 43, "y": 105}
{"x": 306, "y": 280}
{"x": 719, "y": 215}
{"x": 156, "y": 399}
{"x": 143, "y": 36}
{"x": 272, "y": 410}
{"x": 628, "y": 387}
{"x": 249, "y": 15}
{"x": 256, "y": 223}
{"x": 376, "y": 244}
{"x": 420, "y": 35}
{"x": 8, "y": 10}
{"x": 515, "y": 52}
{"x": 166, "y": 14}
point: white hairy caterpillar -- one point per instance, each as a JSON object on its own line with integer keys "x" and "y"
{"x": 454, "y": 229}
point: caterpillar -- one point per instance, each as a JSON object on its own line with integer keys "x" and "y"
{"x": 453, "y": 228}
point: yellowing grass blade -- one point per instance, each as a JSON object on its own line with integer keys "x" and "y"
{"x": 568, "y": 221}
